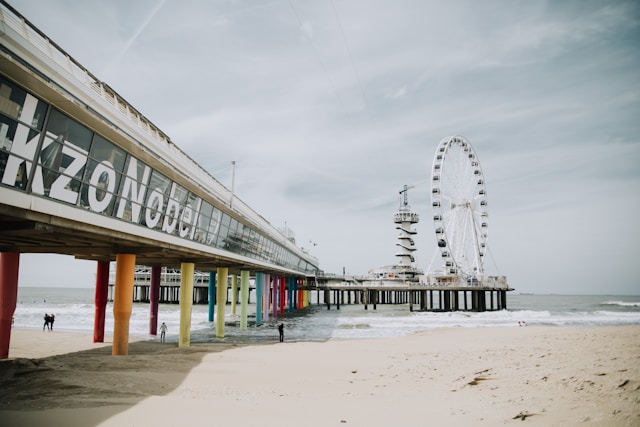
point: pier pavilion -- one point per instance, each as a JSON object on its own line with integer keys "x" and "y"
{"x": 84, "y": 173}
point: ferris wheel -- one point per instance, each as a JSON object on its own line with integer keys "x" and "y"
{"x": 459, "y": 202}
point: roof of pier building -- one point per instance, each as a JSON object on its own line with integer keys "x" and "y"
{"x": 84, "y": 173}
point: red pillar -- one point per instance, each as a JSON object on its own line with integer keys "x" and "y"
{"x": 100, "y": 300}
{"x": 283, "y": 294}
{"x": 9, "y": 267}
{"x": 154, "y": 297}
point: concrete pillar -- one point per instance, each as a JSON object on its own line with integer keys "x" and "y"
{"x": 221, "y": 300}
{"x": 9, "y": 269}
{"x": 266, "y": 296}
{"x": 123, "y": 303}
{"x": 154, "y": 298}
{"x": 100, "y": 300}
{"x": 186, "y": 302}
{"x": 244, "y": 298}
{"x": 212, "y": 294}
{"x": 259, "y": 297}
{"x": 234, "y": 293}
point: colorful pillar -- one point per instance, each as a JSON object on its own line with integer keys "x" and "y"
{"x": 154, "y": 298}
{"x": 212, "y": 294}
{"x": 9, "y": 268}
{"x": 123, "y": 303}
{"x": 186, "y": 302}
{"x": 274, "y": 299}
{"x": 259, "y": 285}
{"x": 283, "y": 295}
{"x": 223, "y": 277}
{"x": 100, "y": 300}
{"x": 234, "y": 293}
{"x": 244, "y": 298}
{"x": 266, "y": 296}
{"x": 290, "y": 293}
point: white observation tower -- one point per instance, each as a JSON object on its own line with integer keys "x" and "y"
{"x": 404, "y": 219}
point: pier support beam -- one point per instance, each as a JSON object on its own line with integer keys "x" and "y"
{"x": 100, "y": 300}
{"x": 283, "y": 295}
{"x": 291, "y": 293}
{"x": 212, "y": 294}
{"x": 123, "y": 303}
{"x": 234, "y": 293}
{"x": 154, "y": 297}
{"x": 274, "y": 298}
{"x": 186, "y": 303}
{"x": 9, "y": 268}
{"x": 266, "y": 296}
{"x": 259, "y": 285}
{"x": 244, "y": 298}
{"x": 221, "y": 300}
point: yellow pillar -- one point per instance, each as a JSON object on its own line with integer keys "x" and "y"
{"x": 234, "y": 292}
{"x": 221, "y": 300}
{"x": 186, "y": 302}
{"x": 244, "y": 299}
{"x": 123, "y": 303}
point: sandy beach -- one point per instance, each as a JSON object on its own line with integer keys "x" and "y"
{"x": 544, "y": 376}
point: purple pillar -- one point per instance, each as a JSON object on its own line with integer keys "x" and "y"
{"x": 154, "y": 297}
{"x": 274, "y": 307}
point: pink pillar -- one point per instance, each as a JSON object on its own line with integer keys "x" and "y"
{"x": 266, "y": 296}
{"x": 9, "y": 267}
{"x": 100, "y": 300}
{"x": 154, "y": 297}
{"x": 274, "y": 300}
{"x": 283, "y": 294}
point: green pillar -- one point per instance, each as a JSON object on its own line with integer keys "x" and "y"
{"x": 244, "y": 299}
{"x": 186, "y": 302}
{"x": 221, "y": 301}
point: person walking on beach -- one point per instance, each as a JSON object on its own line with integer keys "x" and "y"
{"x": 52, "y": 317}
{"x": 163, "y": 331}
{"x": 47, "y": 322}
{"x": 281, "y": 330}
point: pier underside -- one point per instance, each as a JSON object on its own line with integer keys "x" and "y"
{"x": 437, "y": 299}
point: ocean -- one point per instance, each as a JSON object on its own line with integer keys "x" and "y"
{"x": 74, "y": 312}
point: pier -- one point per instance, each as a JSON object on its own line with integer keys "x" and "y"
{"x": 334, "y": 291}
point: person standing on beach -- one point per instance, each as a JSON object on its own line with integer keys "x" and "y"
{"x": 281, "y": 330}
{"x": 47, "y": 322}
{"x": 51, "y": 319}
{"x": 163, "y": 331}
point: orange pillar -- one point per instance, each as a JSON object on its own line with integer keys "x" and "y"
{"x": 9, "y": 267}
{"x": 123, "y": 303}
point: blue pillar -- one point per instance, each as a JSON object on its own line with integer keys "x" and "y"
{"x": 212, "y": 294}
{"x": 259, "y": 284}
{"x": 290, "y": 292}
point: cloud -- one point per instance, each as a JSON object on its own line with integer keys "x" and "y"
{"x": 329, "y": 108}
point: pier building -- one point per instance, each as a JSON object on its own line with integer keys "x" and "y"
{"x": 84, "y": 173}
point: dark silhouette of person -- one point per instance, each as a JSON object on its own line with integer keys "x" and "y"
{"x": 281, "y": 330}
{"x": 47, "y": 322}
{"x": 51, "y": 319}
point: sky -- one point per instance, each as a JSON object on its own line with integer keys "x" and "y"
{"x": 329, "y": 107}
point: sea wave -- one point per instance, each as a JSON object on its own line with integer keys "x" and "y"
{"x": 622, "y": 303}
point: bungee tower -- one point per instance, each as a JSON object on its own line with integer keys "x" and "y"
{"x": 405, "y": 218}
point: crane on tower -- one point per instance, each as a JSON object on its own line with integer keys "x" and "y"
{"x": 404, "y": 201}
